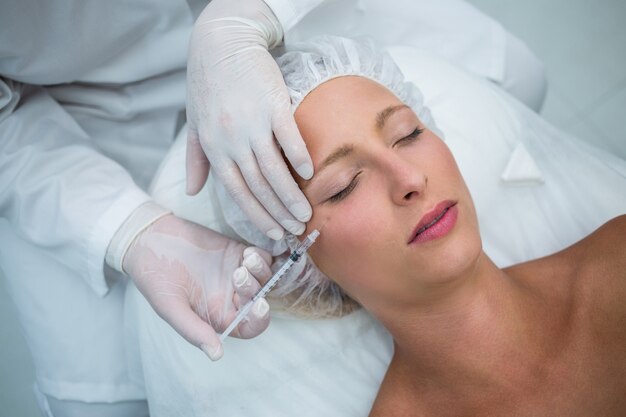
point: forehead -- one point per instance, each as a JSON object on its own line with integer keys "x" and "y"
{"x": 342, "y": 106}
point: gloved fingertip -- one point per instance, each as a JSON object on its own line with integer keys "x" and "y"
{"x": 302, "y": 211}
{"x": 265, "y": 256}
{"x": 253, "y": 263}
{"x": 305, "y": 170}
{"x": 249, "y": 251}
{"x": 214, "y": 353}
{"x": 197, "y": 164}
{"x": 294, "y": 227}
{"x": 189, "y": 189}
{"x": 275, "y": 234}
{"x": 261, "y": 308}
{"x": 240, "y": 277}
{"x": 196, "y": 177}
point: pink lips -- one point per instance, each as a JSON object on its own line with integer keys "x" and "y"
{"x": 436, "y": 223}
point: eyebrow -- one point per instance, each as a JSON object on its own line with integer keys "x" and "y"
{"x": 382, "y": 116}
{"x": 346, "y": 150}
{"x": 335, "y": 156}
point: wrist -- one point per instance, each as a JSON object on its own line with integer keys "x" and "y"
{"x": 249, "y": 15}
{"x": 139, "y": 220}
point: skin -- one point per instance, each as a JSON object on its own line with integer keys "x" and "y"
{"x": 546, "y": 337}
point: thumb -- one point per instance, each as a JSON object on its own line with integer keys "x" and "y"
{"x": 195, "y": 330}
{"x": 197, "y": 163}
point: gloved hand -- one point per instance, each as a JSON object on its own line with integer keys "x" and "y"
{"x": 194, "y": 279}
{"x": 236, "y": 98}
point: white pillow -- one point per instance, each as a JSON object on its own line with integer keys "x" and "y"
{"x": 536, "y": 191}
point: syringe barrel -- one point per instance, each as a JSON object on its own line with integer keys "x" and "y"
{"x": 300, "y": 250}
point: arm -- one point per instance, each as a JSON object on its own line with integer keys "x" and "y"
{"x": 78, "y": 206}
{"x": 56, "y": 189}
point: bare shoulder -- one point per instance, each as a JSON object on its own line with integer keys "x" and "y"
{"x": 606, "y": 247}
{"x": 600, "y": 265}
{"x": 594, "y": 260}
{"x": 397, "y": 396}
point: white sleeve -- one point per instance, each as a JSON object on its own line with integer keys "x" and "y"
{"x": 290, "y": 12}
{"x": 56, "y": 189}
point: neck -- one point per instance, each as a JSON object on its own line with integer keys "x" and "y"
{"x": 479, "y": 330}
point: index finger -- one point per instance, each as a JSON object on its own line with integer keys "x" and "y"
{"x": 288, "y": 136}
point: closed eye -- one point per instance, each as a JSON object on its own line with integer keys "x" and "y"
{"x": 346, "y": 191}
{"x": 410, "y": 138}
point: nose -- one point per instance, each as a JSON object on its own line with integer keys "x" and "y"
{"x": 408, "y": 181}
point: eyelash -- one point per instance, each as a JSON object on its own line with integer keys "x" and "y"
{"x": 411, "y": 137}
{"x": 346, "y": 191}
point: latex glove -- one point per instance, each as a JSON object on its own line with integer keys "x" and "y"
{"x": 194, "y": 279}
{"x": 236, "y": 99}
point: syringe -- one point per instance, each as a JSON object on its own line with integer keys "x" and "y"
{"x": 293, "y": 258}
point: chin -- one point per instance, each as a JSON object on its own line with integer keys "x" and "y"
{"x": 457, "y": 258}
{"x": 464, "y": 258}
{"x": 465, "y": 249}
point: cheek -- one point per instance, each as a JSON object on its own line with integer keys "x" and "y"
{"x": 450, "y": 169}
{"x": 439, "y": 161}
{"x": 347, "y": 238}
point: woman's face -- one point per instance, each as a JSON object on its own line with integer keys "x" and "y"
{"x": 380, "y": 176}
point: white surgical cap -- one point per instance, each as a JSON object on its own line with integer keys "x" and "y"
{"x": 305, "y": 66}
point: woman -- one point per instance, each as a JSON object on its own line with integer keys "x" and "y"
{"x": 400, "y": 237}
{"x": 547, "y": 336}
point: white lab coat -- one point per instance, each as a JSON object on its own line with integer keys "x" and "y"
{"x": 90, "y": 96}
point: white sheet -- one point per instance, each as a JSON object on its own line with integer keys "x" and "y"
{"x": 557, "y": 190}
